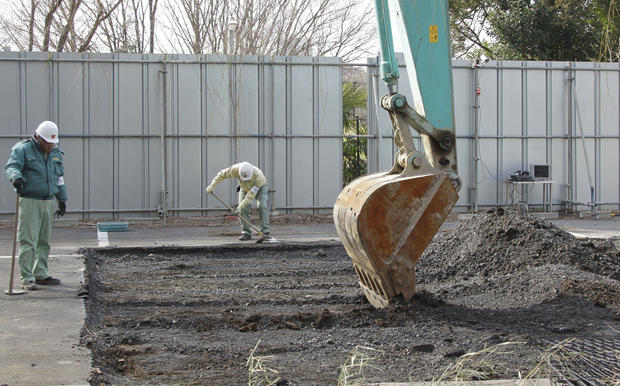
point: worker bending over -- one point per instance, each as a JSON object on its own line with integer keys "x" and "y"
{"x": 252, "y": 185}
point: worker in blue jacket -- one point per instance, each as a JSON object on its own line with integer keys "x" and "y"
{"x": 36, "y": 171}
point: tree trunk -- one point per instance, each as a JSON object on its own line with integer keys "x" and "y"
{"x": 75, "y": 4}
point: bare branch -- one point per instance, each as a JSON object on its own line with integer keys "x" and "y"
{"x": 271, "y": 27}
{"x": 49, "y": 17}
{"x": 68, "y": 26}
{"x": 102, "y": 14}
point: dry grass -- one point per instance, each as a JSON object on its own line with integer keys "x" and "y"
{"x": 360, "y": 359}
{"x": 478, "y": 365}
{"x": 258, "y": 371}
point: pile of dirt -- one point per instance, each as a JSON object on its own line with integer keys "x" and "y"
{"x": 531, "y": 257}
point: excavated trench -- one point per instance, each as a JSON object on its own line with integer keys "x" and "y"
{"x": 195, "y": 315}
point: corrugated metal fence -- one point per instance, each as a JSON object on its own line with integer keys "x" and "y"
{"x": 510, "y": 115}
{"x": 145, "y": 134}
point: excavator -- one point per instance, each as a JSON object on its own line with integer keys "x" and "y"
{"x": 386, "y": 220}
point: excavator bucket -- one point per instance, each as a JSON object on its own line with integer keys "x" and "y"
{"x": 385, "y": 222}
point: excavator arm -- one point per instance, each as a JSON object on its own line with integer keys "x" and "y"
{"x": 386, "y": 220}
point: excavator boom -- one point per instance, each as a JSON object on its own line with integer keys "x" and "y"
{"x": 386, "y": 220}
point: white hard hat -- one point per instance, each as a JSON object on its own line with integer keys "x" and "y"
{"x": 48, "y": 131}
{"x": 245, "y": 171}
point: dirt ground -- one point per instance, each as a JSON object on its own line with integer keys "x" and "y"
{"x": 504, "y": 285}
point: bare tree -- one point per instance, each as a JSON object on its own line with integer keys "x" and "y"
{"x": 131, "y": 28}
{"x": 49, "y": 17}
{"x": 271, "y": 27}
{"x": 256, "y": 27}
{"x": 78, "y": 29}
{"x": 191, "y": 24}
{"x": 152, "y": 19}
{"x": 33, "y": 8}
{"x": 68, "y": 24}
{"x": 19, "y": 23}
{"x": 60, "y": 25}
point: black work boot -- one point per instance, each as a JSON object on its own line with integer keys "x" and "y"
{"x": 48, "y": 281}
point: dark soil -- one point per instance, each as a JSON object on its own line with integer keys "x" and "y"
{"x": 193, "y": 316}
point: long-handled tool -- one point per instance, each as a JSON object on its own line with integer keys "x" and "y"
{"x": 263, "y": 237}
{"x": 10, "y": 291}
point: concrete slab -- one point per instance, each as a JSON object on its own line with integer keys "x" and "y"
{"x": 40, "y": 330}
{"x": 545, "y": 215}
{"x": 602, "y": 228}
{"x": 465, "y": 216}
{"x": 599, "y": 214}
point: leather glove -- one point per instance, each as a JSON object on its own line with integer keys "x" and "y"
{"x": 18, "y": 184}
{"x": 210, "y": 189}
{"x": 62, "y": 207}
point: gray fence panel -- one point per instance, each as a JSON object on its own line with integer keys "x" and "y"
{"x": 130, "y": 171}
{"x": 11, "y": 81}
{"x": 130, "y": 98}
{"x": 186, "y": 186}
{"x": 301, "y": 154}
{"x": 277, "y": 123}
{"x": 7, "y": 194}
{"x": 10, "y": 115}
{"x": 214, "y": 111}
{"x": 247, "y": 113}
{"x": 153, "y": 126}
{"x": 328, "y": 151}
{"x": 609, "y": 84}
{"x": 511, "y": 98}
{"x": 584, "y": 100}
{"x": 284, "y": 114}
{"x": 74, "y": 174}
{"x": 38, "y": 93}
{"x": 69, "y": 97}
{"x": 557, "y": 155}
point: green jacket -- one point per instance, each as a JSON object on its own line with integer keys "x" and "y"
{"x": 43, "y": 176}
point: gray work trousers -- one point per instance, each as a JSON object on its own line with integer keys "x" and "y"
{"x": 34, "y": 230}
{"x": 263, "y": 211}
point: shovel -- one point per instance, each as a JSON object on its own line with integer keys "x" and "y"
{"x": 10, "y": 291}
{"x": 262, "y": 235}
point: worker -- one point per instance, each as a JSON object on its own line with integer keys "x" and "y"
{"x": 252, "y": 185}
{"x": 36, "y": 171}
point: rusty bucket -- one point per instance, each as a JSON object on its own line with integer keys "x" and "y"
{"x": 385, "y": 222}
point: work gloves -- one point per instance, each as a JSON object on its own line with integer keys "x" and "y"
{"x": 18, "y": 184}
{"x": 210, "y": 189}
{"x": 62, "y": 207}
{"x": 238, "y": 210}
